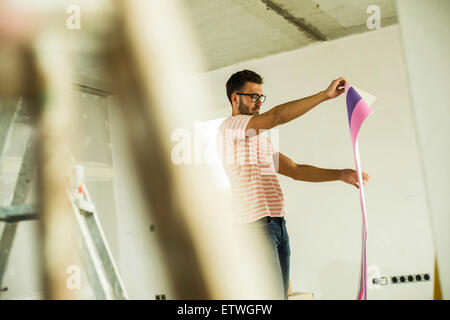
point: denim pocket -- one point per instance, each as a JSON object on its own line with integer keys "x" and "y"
{"x": 266, "y": 220}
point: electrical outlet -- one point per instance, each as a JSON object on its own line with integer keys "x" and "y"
{"x": 410, "y": 278}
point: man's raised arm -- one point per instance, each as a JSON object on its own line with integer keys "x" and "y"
{"x": 294, "y": 109}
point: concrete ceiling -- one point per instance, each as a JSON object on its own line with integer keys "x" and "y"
{"x": 232, "y": 31}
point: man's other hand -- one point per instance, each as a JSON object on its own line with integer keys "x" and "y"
{"x": 336, "y": 88}
{"x": 349, "y": 176}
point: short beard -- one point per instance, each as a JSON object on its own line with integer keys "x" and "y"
{"x": 243, "y": 109}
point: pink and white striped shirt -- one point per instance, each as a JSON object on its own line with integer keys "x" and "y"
{"x": 249, "y": 165}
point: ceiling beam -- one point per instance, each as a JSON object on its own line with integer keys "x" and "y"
{"x": 299, "y": 23}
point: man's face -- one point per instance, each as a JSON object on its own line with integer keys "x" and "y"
{"x": 246, "y": 105}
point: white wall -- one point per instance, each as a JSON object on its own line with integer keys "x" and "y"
{"x": 324, "y": 219}
{"x": 425, "y": 27}
{"x": 140, "y": 260}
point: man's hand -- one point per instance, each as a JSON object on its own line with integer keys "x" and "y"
{"x": 336, "y": 88}
{"x": 349, "y": 176}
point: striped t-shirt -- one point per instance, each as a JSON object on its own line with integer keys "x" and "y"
{"x": 249, "y": 165}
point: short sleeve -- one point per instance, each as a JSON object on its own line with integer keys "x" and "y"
{"x": 234, "y": 127}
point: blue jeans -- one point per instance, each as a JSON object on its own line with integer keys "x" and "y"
{"x": 278, "y": 240}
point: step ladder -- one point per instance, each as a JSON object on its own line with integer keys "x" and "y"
{"x": 95, "y": 254}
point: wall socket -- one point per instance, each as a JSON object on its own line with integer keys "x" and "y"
{"x": 410, "y": 278}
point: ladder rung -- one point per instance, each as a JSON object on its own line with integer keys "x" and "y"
{"x": 18, "y": 213}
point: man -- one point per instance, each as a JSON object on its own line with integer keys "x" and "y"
{"x": 251, "y": 163}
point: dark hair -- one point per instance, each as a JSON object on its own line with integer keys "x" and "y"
{"x": 238, "y": 80}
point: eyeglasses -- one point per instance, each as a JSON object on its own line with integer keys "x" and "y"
{"x": 255, "y": 97}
